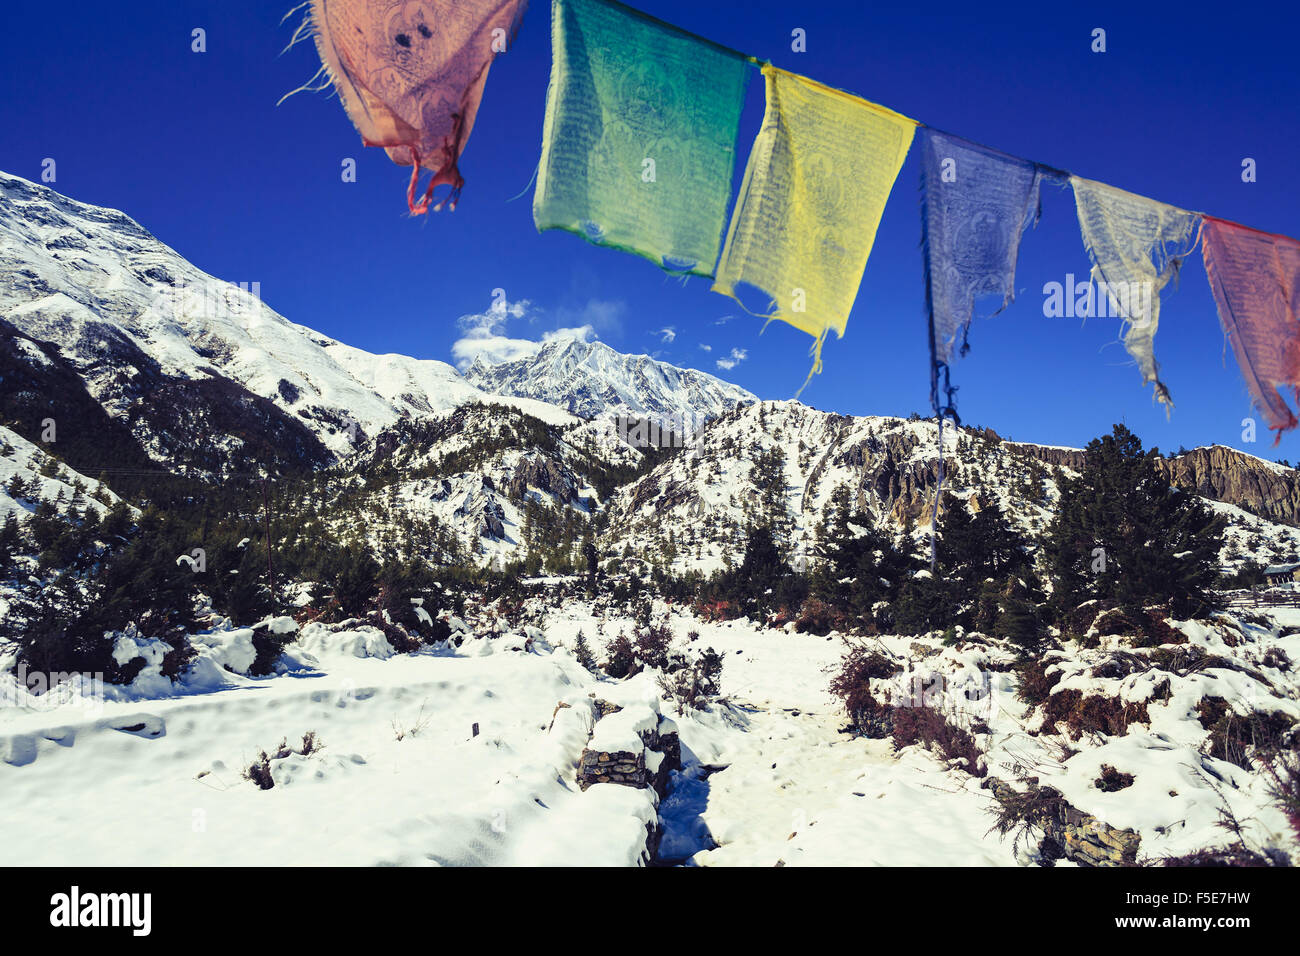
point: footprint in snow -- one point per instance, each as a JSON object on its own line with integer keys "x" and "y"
{"x": 148, "y": 726}
{"x": 18, "y": 750}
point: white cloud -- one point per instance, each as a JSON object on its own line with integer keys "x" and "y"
{"x": 583, "y": 333}
{"x": 667, "y": 334}
{"x": 735, "y": 358}
{"x": 603, "y": 315}
{"x": 485, "y": 335}
{"x": 707, "y": 348}
{"x": 724, "y": 320}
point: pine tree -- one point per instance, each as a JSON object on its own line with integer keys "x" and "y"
{"x": 762, "y": 563}
{"x": 582, "y": 652}
{"x": 768, "y": 478}
{"x": 859, "y": 564}
{"x": 924, "y": 603}
{"x": 8, "y": 541}
{"x": 979, "y": 546}
{"x": 355, "y": 580}
{"x": 17, "y": 488}
{"x": 1123, "y": 535}
{"x": 1018, "y": 618}
{"x": 236, "y": 580}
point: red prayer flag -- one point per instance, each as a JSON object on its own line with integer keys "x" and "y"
{"x": 1255, "y": 277}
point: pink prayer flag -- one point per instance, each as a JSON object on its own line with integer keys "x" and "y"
{"x": 1255, "y": 277}
{"x": 411, "y": 73}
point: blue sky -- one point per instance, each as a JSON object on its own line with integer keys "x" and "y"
{"x": 194, "y": 147}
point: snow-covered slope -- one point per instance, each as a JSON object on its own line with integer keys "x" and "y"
{"x": 468, "y": 754}
{"x": 152, "y": 338}
{"x": 691, "y": 512}
{"x": 111, "y": 297}
{"x": 590, "y": 378}
{"x": 29, "y": 475}
{"x": 43, "y": 478}
{"x": 477, "y": 473}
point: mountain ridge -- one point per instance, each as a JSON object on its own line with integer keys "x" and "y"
{"x": 138, "y": 356}
{"x": 590, "y": 378}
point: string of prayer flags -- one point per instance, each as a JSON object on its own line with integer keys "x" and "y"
{"x": 975, "y": 203}
{"x": 411, "y": 76}
{"x": 1137, "y": 246}
{"x": 639, "y": 144}
{"x": 814, "y": 189}
{"x": 639, "y": 140}
{"x": 1255, "y": 278}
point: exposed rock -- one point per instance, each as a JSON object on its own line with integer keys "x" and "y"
{"x": 545, "y": 475}
{"x": 1228, "y": 475}
{"x": 1068, "y": 832}
{"x": 1217, "y": 472}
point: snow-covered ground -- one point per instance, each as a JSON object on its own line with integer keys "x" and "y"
{"x": 158, "y": 781}
{"x": 151, "y": 774}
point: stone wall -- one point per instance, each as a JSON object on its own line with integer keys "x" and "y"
{"x": 620, "y": 766}
{"x": 649, "y": 765}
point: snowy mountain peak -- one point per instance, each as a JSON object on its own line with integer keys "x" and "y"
{"x": 590, "y": 378}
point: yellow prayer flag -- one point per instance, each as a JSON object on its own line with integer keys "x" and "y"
{"x": 815, "y": 187}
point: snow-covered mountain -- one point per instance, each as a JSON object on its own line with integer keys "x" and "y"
{"x": 138, "y": 360}
{"x": 781, "y": 462}
{"x": 170, "y": 350}
{"x": 207, "y": 378}
{"x": 589, "y": 378}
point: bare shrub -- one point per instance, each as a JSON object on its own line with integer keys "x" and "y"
{"x": 693, "y": 685}
{"x": 931, "y": 727}
{"x": 1112, "y": 779}
{"x": 1026, "y": 814}
{"x": 852, "y": 684}
{"x": 620, "y": 658}
{"x": 1277, "y": 658}
{"x": 259, "y": 772}
{"x": 1093, "y": 713}
{"x": 1234, "y": 737}
{"x": 1035, "y": 684}
{"x": 1283, "y": 773}
{"x": 652, "y": 644}
{"x": 820, "y": 618}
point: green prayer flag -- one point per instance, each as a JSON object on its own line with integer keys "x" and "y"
{"x": 639, "y": 141}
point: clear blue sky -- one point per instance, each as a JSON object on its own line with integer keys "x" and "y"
{"x": 193, "y": 146}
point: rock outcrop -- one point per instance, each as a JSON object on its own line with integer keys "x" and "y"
{"x": 1069, "y": 833}
{"x": 547, "y": 476}
{"x": 1223, "y": 474}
